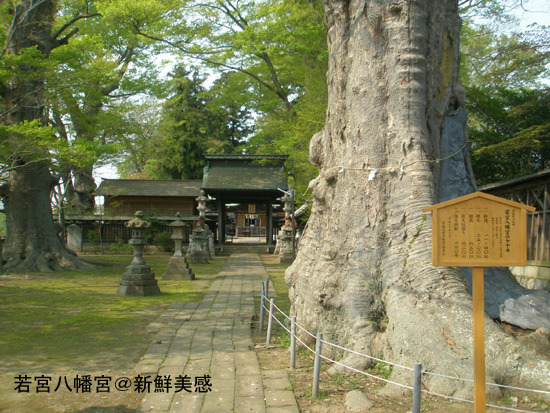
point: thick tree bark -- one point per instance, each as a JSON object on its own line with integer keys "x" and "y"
{"x": 32, "y": 243}
{"x": 363, "y": 275}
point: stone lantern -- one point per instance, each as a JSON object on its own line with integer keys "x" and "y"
{"x": 285, "y": 234}
{"x": 138, "y": 278}
{"x": 198, "y": 252}
{"x": 208, "y": 247}
{"x": 178, "y": 269}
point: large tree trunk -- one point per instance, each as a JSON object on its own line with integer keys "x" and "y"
{"x": 363, "y": 275}
{"x": 32, "y": 243}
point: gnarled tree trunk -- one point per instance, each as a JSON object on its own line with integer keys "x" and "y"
{"x": 363, "y": 275}
{"x": 32, "y": 243}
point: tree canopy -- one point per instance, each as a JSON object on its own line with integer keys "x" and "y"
{"x": 270, "y": 59}
{"x": 504, "y": 73}
{"x": 249, "y": 76}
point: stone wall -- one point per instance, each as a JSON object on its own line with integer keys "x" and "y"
{"x": 533, "y": 277}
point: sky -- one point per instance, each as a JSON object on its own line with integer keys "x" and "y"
{"x": 538, "y": 11}
{"x": 535, "y": 11}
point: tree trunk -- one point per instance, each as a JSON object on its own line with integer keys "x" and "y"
{"x": 363, "y": 275}
{"x": 32, "y": 241}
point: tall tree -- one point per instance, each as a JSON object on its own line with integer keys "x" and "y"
{"x": 507, "y": 103}
{"x": 510, "y": 131}
{"x": 275, "y": 53}
{"x": 103, "y": 69}
{"x": 363, "y": 275}
{"x": 30, "y": 35}
{"x": 194, "y": 122}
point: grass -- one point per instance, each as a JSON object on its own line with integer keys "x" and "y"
{"x": 73, "y": 319}
{"x": 281, "y": 301}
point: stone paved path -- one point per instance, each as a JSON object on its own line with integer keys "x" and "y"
{"x": 213, "y": 338}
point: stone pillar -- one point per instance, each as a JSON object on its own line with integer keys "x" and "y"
{"x": 138, "y": 279}
{"x": 269, "y": 224}
{"x": 198, "y": 252}
{"x": 285, "y": 234}
{"x": 74, "y": 238}
{"x": 221, "y": 221}
{"x": 208, "y": 241}
{"x": 211, "y": 243}
{"x": 178, "y": 269}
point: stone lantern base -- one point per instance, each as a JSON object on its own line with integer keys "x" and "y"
{"x": 178, "y": 269}
{"x": 285, "y": 251}
{"x": 138, "y": 280}
{"x": 197, "y": 257}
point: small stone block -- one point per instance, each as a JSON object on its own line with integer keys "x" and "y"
{"x": 249, "y": 404}
{"x": 280, "y": 398}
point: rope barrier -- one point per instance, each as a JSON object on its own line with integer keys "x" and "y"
{"x": 369, "y": 357}
{"x": 397, "y": 365}
{"x": 280, "y": 311}
{"x": 305, "y": 331}
{"x": 281, "y": 324}
{"x": 365, "y": 373}
{"x": 518, "y": 388}
{"x": 304, "y": 344}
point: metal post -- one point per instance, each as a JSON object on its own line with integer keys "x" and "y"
{"x": 262, "y": 309}
{"x": 269, "y": 323}
{"x": 417, "y": 385}
{"x": 293, "y": 343}
{"x": 317, "y": 365}
{"x": 267, "y": 288}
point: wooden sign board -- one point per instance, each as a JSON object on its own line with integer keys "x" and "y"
{"x": 479, "y": 230}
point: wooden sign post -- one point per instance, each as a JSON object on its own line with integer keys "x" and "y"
{"x": 479, "y": 230}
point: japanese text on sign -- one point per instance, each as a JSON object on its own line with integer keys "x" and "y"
{"x": 103, "y": 384}
{"x": 479, "y": 231}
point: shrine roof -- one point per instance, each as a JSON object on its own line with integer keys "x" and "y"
{"x": 145, "y": 187}
{"x": 244, "y": 173}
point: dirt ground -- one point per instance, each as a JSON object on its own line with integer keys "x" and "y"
{"x": 333, "y": 388}
{"x": 332, "y": 395}
{"x": 332, "y": 392}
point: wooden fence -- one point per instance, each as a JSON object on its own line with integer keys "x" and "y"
{"x": 531, "y": 190}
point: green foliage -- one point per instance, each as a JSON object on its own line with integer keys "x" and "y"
{"x": 510, "y": 131}
{"x": 284, "y": 339}
{"x": 2, "y": 225}
{"x": 120, "y": 247}
{"x": 164, "y": 241}
{"x": 194, "y": 122}
{"x": 93, "y": 237}
{"x": 508, "y": 106}
{"x": 271, "y": 58}
{"x": 381, "y": 369}
{"x": 506, "y": 60}
{"x": 297, "y": 36}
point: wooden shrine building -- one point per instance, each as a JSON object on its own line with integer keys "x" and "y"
{"x": 243, "y": 193}
{"x": 164, "y": 198}
{"x": 247, "y": 186}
